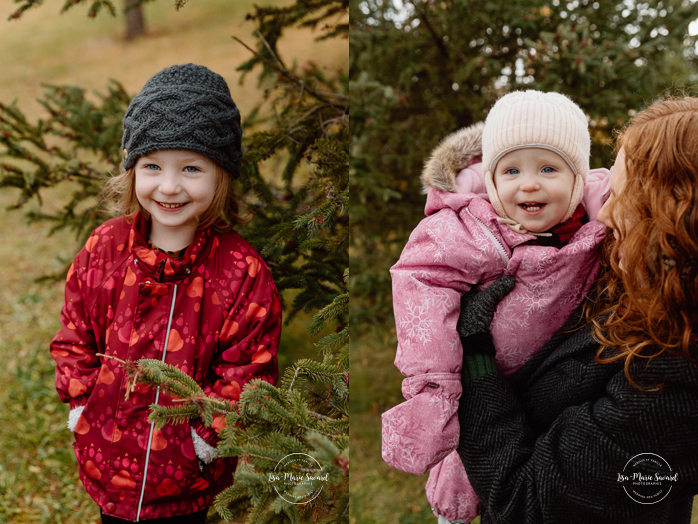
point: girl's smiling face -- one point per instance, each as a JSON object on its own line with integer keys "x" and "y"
{"x": 535, "y": 187}
{"x": 175, "y": 188}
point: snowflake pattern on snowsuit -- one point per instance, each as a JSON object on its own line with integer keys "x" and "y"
{"x": 459, "y": 245}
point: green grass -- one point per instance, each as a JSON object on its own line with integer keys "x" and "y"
{"x": 38, "y": 471}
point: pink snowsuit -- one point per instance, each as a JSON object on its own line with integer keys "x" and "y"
{"x": 459, "y": 245}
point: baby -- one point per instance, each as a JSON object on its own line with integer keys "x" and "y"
{"x": 532, "y": 216}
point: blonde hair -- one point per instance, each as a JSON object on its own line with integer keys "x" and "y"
{"x": 119, "y": 197}
{"x": 651, "y": 302}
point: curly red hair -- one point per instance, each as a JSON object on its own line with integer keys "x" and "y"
{"x": 648, "y": 293}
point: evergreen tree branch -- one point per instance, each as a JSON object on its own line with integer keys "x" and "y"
{"x": 438, "y": 41}
{"x": 320, "y": 415}
{"x": 304, "y": 87}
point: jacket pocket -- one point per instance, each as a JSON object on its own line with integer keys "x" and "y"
{"x": 88, "y": 434}
{"x": 173, "y": 469}
{"x": 420, "y": 432}
{"x": 85, "y": 425}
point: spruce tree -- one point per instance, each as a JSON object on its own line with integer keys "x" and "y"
{"x": 420, "y": 69}
{"x": 300, "y": 227}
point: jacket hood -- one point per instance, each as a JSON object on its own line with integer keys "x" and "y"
{"x": 453, "y": 154}
{"x": 452, "y": 176}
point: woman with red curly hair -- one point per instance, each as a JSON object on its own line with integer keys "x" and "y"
{"x": 601, "y": 426}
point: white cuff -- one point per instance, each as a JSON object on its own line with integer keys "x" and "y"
{"x": 74, "y": 416}
{"x": 204, "y": 452}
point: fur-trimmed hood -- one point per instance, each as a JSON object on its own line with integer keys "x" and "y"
{"x": 453, "y": 174}
{"x": 453, "y": 154}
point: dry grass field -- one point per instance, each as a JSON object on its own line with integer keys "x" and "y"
{"x": 45, "y": 46}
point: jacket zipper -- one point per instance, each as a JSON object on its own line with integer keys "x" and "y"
{"x": 157, "y": 397}
{"x": 497, "y": 243}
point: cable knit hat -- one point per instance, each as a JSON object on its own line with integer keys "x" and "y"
{"x": 184, "y": 107}
{"x": 550, "y": 121}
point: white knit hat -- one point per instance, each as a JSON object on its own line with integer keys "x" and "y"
{"x": 525, "y": 119}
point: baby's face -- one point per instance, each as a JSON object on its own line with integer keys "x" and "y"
{"x": 535, "y": 187}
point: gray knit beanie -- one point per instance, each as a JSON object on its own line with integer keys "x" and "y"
{"x": 184, "y": 107}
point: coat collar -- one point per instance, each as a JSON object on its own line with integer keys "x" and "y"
{"x": 159, "y": 266}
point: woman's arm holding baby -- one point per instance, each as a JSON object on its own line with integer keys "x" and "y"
{"x": 570, "y": 470}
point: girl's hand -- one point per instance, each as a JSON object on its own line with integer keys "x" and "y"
{"x": 477, "y": 307}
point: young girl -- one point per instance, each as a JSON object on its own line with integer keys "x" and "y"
{"x": 537, "y": 226}
{"x": 168, "y": 280}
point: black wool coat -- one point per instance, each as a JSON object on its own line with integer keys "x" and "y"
{"x": 546, "y": 445}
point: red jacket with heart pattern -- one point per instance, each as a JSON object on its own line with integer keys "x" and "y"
{"x": 215, "y": 314}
